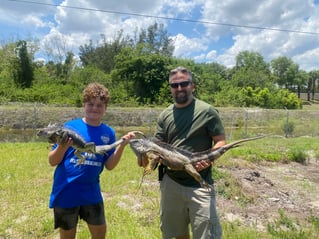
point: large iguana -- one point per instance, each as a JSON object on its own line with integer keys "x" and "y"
{"x": 152, "y": 152}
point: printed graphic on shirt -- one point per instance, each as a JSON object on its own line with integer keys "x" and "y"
{"x": 88, "y": 159}
{"x": 105, "y": 139}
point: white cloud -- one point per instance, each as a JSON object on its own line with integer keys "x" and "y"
{"x": 308, "y": 60}
{"x": 210, "y": 56}
{"x": 102, "y": 18}
{"x": 56, "y": 45}
{"x": 34, "y": 21}
{"x": 185, "y": 47}
{"x": 270, "y": 15}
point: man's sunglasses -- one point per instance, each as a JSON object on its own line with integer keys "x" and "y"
{"x": 182, "y": 84}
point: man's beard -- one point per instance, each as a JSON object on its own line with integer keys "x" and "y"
{"x": 181, "y": 98}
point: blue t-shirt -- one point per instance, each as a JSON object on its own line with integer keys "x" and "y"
{"x": 79, "y": 184}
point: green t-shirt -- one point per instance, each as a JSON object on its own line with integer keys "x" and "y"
{"x": 190, "y": 128}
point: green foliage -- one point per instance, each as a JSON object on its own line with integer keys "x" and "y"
{"x": 155, "y": 40}
{"x": 251, "y": 70}
{"x": 227, "y": 96}
{"x": 287, "y": 149}
{"x": 49, "y": 94}
{"x": 297, "y": 155}
{"x": 6, "y": 91}
{"x": 315, "y": 222}
{"x": 257, "y": 97}
{"x": 84, "y": 76}
{"x": 143, "y": 75}
{"x": 136, "y": 73}
{"x": 287, "y": 228}
{"x": 284, "y": 71}
{"x": 208, "y": 80}
{"x": 286, "y": 99}
{"x": 229, "y": 188}
{"x": 102, "y": 56}
{"x": 288, "y": 128}
{"x": 251, "y": 60}
{"x": 234, "y": 230}
{"x": 23, "y": 74}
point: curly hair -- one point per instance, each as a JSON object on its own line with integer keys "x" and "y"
{"x": 94, "y": 90}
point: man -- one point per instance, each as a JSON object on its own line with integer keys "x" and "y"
{"x": 193, "y": 125}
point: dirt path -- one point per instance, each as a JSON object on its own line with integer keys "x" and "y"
{"x": 292, "y": 187}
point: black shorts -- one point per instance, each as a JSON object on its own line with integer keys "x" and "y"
{"x": 67, "y": 218}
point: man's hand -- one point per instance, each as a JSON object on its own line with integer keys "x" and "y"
{"x": 200, "y": 165}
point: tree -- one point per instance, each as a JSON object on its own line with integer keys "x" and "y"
{"x": 142, "y": 74}
{"x": 251, "y": 70}
{"x": 301, "y": 81}
{"x": 155, "y": 40}
{"x": 209, "y": 80}
{"x": 103, "y": 55}
{"x": 251, "y": 60}
{"x": 7, "y": 56}
{"x": 69, "y": 65}
{"x": 312, "y": 80}
{"x": 23, "y": 75}
{"x": 86, "y": 54}
{"x": 285, "y": 72}
{"x": 56, "y": 48}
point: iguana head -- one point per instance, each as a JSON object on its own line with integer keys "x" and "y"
{"x": 139, "y": 146}
{"x": 52, "y": 132}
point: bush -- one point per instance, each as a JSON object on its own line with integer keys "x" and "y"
{"x": 288, "y": 128}
{"x": 298, "y": 155}
{"x": 257, "y": 97}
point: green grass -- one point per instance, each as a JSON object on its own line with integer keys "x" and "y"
{"x": 26, "y": 179}
{"x": 285, "y": 227}
{"x": 273, "y": 148}
{"x": 25, "y": 185}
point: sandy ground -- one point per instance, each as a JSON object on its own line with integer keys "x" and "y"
{"x": 269, "y": 187}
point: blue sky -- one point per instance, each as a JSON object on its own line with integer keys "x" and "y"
{"x": 205, "y": 31}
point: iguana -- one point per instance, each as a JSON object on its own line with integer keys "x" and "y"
{"x": 152, "y": 152}
{"x": 58, "y": 134}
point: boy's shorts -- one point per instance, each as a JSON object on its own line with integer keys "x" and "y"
{"x": 67, "y": 218}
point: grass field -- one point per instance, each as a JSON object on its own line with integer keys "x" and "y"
{"x": 26, "y": 179}
{"x": 131, "y": 213}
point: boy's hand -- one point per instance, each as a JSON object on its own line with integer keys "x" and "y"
{"x": 127, "y": 137}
